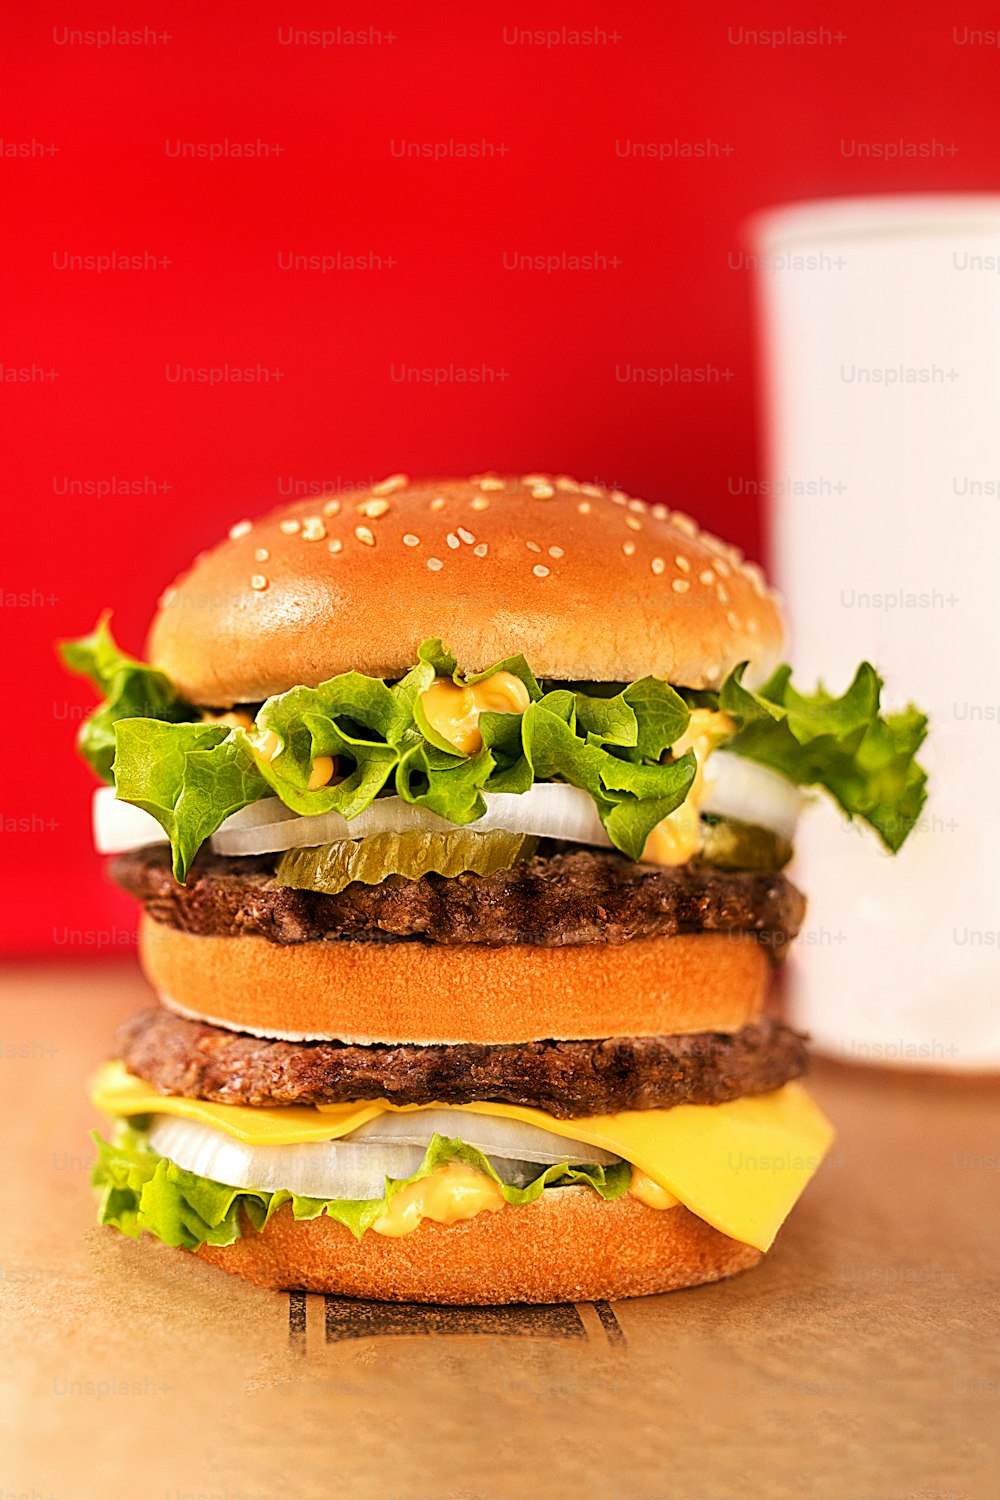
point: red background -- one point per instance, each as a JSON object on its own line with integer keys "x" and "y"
{"x": 95, "y": 128}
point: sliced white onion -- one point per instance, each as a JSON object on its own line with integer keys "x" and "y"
{"x": 742, "y": 789}
{"x": 314, "y": 1169}
{"x": 734, "y": 788}
{"x": 357, "y": 1165}
{"x": 547, "y": 810}
{"x": 490, "y": 1134}
{"x": 119, "y": 826}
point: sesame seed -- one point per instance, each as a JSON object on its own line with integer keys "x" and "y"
{"x": 373, "y": 508}
{"x": 722, "y": 568}
{"x": 539, "y": 571}
{"x": 466, "y": 536}
{"x": 711, "y": 673}
{"x": 619, "y": 497}
{"x": 732, "y": 619}
{"x": 542, "y": 492}
{"x": 437, "y": 503}
{"x": 633, "y": 523}
{"x": 564, "y": 482}
{"x": 707, "y": 577}
{"x": 261, "y": 555}
{"x": 313, "y": 529}
{"x": 289, "y": 527}
{"x": 680, "y": 585}
{"x": 628, "y": 548}
{"x": 452, "y": 540}
{"x": 684, "y": 523}
{"x": 657, "y": 565}
{"x": 240, "y": 529}
{"x": 335, "y": 544}
{"x": 593, "y": 490}
{"x": 366, "y": 537}
{"x": 556, "y": 552}
{"x": 533, "y": 547}
{"x": 723, "y": 595}
{"x": 682, "y": 563}
{"x": 752, "y": 626}
{"x": 481, "y": 549}
{"x": 756, "y": 578}
{"x": 584, "y": 507}
{"x": 660, "y": 512}
{"x": 491, "y": 483}
{"x": 387, "y": 486}
{"x": 167, "y": 598}
{"x": 480, "y": 503}
{"x": 410, "y": 540}
{"x": 258, "y": 581}
{"x": 636, "y": 505}
{"x": 331, "y": 508}
{"x": 435, "y": 564}
{"x": 530, "y": 480}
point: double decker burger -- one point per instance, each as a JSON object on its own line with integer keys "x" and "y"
{"x": 457, "y": 812}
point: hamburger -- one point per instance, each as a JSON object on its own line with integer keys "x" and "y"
{"x": 458, "y": 813}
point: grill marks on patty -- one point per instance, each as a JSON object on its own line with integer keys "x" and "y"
{"x": 554, "y": 899}
{"x": 568, "y": 1079}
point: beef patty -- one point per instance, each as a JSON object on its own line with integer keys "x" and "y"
{"x": 568, "y": 1079}
{"x": 554, "y": 899}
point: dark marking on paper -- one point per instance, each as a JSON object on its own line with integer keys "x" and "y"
{"x": 612, "y": 1328}
{"x": 356, "y": 1318}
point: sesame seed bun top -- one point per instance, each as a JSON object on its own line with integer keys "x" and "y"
{"x": 589, "y": 584}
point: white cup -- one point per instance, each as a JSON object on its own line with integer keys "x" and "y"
{"x": 882, "y": 342}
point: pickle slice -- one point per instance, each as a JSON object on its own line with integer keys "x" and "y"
{"x": 331, "y": 867}
{"x": 729, "y": 845}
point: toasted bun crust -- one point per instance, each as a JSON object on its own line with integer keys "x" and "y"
{"x": 587, "y": 583}
{"x": 567, "y": 1246}
{"x": 443, "y": 994}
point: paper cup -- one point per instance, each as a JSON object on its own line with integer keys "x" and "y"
{"x": 882, "y": 342}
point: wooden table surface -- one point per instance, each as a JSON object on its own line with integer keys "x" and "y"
{"x": 859, "y": 1361}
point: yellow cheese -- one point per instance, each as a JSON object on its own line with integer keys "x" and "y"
{"x": 446, "y": 1195}
{"x": 116, "y": 1091}
{"x": 235, "y": 719}
{"x": 453, "y": 709}
{"x": 649, "y": 1192}
{"x": 677, "y": 838}
{"x": 739, "y": 1166}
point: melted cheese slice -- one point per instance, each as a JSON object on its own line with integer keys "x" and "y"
{"x": 116, "y": 1091}
{"x": 739, "y": 1166}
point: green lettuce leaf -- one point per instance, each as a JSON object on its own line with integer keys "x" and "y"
{"x": 190, "y": 777}
{"x": 615, "y": 745}
{"x": 646, "y": 718}
{"x": 444, "y": 783}
{"x": 630, "y": 798}
{"x": 436, "y": 655}
{"x": 140, "y": 1190}
{"x": 864, "y": 759}
{"x": 358, "y": 719}
{"x": 130, "y": 690}
{"x": 500, "y": 732}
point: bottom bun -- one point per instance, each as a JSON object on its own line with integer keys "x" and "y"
{"x": 567, "y": 1246}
